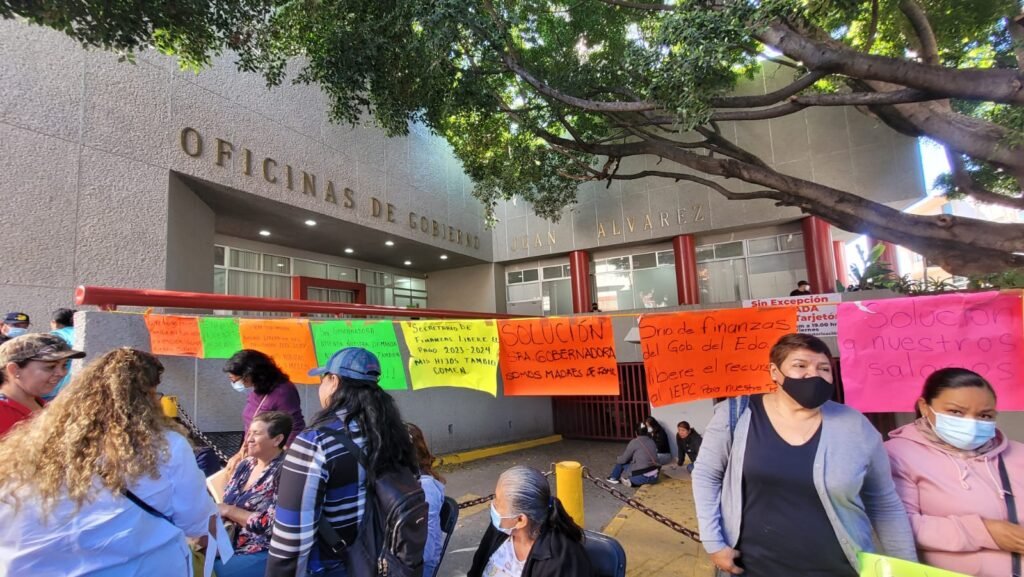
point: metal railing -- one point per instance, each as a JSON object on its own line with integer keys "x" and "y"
{"x": 109, "y": 298}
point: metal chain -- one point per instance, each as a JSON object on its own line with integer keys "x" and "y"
{"x": 482, "y": 500}
{"x": 601, "y": 484}
{"x": 191, "y": 426}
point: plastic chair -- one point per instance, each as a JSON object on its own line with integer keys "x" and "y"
{"x": 449, "y": 517}
{"x": 607, "y": 557}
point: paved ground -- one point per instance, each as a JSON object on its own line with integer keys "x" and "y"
{"x": 652, "y": 550}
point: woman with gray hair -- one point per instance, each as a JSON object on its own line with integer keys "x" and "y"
{"x": 530, "y": 534}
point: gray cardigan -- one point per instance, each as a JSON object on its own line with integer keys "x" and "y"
{"x": 639, "y": 455}
{"x": 851, "y": 474}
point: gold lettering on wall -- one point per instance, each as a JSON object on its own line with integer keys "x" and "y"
{"x": 267, "y": 163}
{"x": 631, "y": 223}
{"x": 224, "y": 149}
{"x": 190, "y": 134}
{"x": 647, "y": 222}
{"x": 191, "y": 142}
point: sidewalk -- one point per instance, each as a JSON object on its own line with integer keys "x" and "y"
{"x": 652, "y": 549}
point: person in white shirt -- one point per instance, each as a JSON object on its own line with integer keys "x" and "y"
{"x": 99, "y": 483}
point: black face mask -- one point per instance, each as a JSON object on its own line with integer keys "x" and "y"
{"x": 811, "y": 392}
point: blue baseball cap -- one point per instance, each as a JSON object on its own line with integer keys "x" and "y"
{"x": 351, "y": 362}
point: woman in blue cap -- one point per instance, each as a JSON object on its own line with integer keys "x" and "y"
{"x": 321, "y": 477}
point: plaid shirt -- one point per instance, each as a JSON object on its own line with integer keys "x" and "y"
{"x": 319, "y": 476}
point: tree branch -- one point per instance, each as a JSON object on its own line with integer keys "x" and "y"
{"x": 986, "y": 85}
{"x": 966, "y": 184}
{"x": 639, "y": 5}
{"x": 923, "y": 29}
{"x": 866, "y": 98}
{"x": 772, "y": 97}
{"x": 763, "y": 114}
{"x": 576, "y": 102}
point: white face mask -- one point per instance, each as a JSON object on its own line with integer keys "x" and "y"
{"x": 16, "y": 332}
{"x": 238, "y": 385}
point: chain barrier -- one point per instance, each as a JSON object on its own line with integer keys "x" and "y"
{"x": 482, "y": 500}
{"x": 192, "y": 428}
{"x": 602, "y": 484}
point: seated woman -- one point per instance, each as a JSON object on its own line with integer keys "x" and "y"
{"x": 949, "y": 470}
{"x": 638, "y": 461}
{"x": 433, "y": 489}
{"x": 660, "y": 438}
{"x": 688, "y": 444}
{"x": 250, "y": 495}
{"x": 98, "y": 483}
{"x": 530, "y": 534}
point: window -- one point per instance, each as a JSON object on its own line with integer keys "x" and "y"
{"x": 249, "y": 273}
{"x": 639, "y": 281}
{"x": 754, "y": 268}
{"x": 515, "y": 277}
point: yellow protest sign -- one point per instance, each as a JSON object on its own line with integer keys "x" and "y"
{"x": 453, "y": 354}
{"x": 872, "y": 565}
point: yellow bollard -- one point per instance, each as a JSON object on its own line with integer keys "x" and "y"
{"x": 569, "y": 488}
{"x": 170, "y": 406}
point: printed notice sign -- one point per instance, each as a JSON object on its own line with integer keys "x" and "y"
{"x": 815, "y": 314}
{"x": 558, "y": 356}
{"x": 714, "y": 353}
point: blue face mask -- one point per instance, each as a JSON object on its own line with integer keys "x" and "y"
{"x": 16, "y": 332}
{"x": 496, "y": 521}
{"x": 963, "y": 433}
{"x": 238, "y": 385}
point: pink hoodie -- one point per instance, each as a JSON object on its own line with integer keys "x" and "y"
{"x": 947, "y": 496}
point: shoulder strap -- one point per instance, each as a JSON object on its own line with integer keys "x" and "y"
{"x": 736, "y": 407}
{"x": 145, "y": 506}
{"x": 330, "y": 536}
{"x": 1011, "y": 509}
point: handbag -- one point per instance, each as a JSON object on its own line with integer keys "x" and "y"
{"x": 1011, "y": 511}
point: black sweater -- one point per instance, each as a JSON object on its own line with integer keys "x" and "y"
{"x": 553, "y": 555}
{"x": 688, "y": 447}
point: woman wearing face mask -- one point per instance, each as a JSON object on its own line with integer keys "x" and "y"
{"x": 791, "y": 483}
{"x": 530, "y": 534}
{"x": 267, "y": 389}
{"x": 949, "y": 469}
{"x": 657, "y": 433}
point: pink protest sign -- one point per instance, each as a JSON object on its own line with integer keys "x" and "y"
{"x": 889, "y": 347}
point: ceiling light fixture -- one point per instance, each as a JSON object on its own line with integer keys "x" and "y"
{"x": 408, "y": 262}
{"x": 264, "y": 233}
{"x": 389, "y": 243}
{"x": 444, "y": 257}
{"x": 310, "y": 222}
{"x": 349, "y": 251}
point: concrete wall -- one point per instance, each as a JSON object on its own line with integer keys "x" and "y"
{"x": 190, "y": 232}
{"x": 452, "y": 419}
{"x": 479, "y": 288}
{"x": 87, "y": 146}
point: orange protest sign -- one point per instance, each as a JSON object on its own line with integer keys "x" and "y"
{"x": 558, "y": 356}
{"x": 171, "y": 335}
{"x": 287, "y": 341}
{"x": 715, "y": 353}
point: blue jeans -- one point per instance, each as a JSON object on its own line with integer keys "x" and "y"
{"x": 251, "y": 565}
{"x": 633, "y": 479}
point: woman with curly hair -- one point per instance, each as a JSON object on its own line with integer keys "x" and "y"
{"x": 99, "y": 483}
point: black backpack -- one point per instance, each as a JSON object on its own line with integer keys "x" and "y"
{"x": 393, "y": 531}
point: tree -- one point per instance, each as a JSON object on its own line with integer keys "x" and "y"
{"x": 536, "y": 96}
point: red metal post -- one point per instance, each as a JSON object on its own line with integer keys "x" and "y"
{"x": 821, "y": 270}
{"x": 579, "y": 277}
{"x": 839, "y": 255}
{"x": 889, "y": 255}
{"x": 687, "y": 287}
{"x": 108, "y": 298}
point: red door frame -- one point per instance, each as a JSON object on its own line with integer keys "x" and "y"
{"x": 302, "y": 284}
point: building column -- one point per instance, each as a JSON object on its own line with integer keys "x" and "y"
{"x": 821, "y": 270}
{"x": 839, "y": 255}
{"x": 579, "y": 277}
{"x": 687, "y": 287}
{"x": 889, "y": 255}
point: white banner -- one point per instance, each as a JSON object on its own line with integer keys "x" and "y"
{"x": 816, "y": 314}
